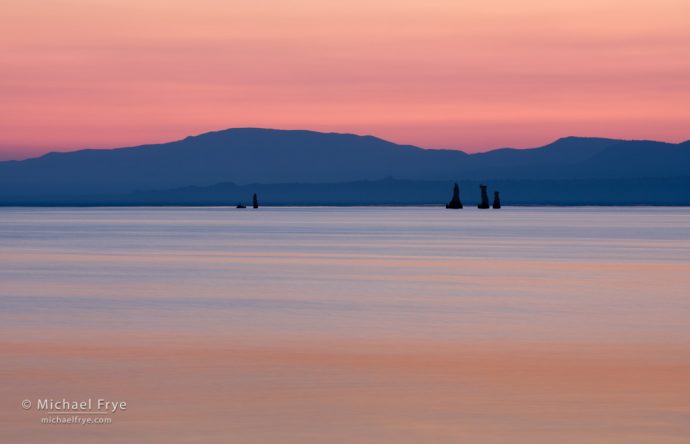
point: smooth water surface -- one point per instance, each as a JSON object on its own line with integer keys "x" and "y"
{"x": 367, "y": 325}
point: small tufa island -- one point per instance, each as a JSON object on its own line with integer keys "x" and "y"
{"x": 455, "y": 202}
{"x": 255, "y": 203}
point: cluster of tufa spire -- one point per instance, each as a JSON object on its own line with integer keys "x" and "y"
{"x": 455, "y": 202}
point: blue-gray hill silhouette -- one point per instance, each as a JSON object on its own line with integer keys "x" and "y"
{"x": 263, "y": 156}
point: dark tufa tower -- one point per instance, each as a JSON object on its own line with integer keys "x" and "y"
{"x": 497, "y": 201}
{"x": 485, "y": 198}
{"x": 255, "y": 201}
{"x": 455, "y": 201}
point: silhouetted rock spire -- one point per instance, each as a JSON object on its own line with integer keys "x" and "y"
{"x": 485, "y": 198}
{"x": 455, "y": 201}
{"x": 497, "y": 201}
{"x": 255, "y": 201}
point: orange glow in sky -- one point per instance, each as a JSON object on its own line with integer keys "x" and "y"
{"x": 467, "y": 74}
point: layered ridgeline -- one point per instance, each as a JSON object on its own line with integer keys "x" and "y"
{"x": 306, "y": 167}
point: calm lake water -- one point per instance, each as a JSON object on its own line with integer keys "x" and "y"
{"x": 344, "y": 325}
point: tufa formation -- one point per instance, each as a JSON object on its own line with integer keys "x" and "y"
{"x": 497, "y": 201}
{"x": 455, "y": 201}
{"x": 485, "y": 198}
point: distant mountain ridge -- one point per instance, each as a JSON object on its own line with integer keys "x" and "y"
{"x": 265, "y": 156}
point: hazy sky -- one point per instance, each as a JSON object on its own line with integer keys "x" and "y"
{"x": 465, "y": 74}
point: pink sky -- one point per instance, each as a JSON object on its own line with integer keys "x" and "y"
{"x": 473, "y": 75}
